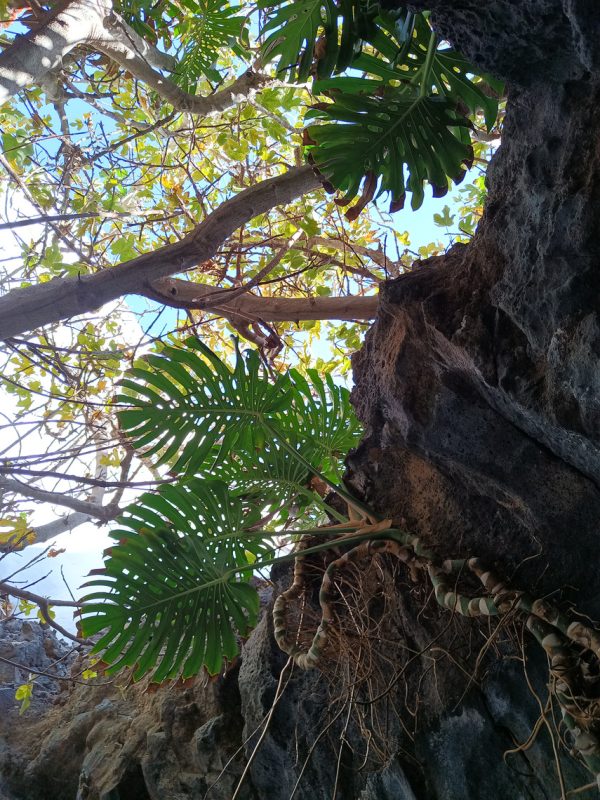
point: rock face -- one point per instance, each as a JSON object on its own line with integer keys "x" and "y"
{"x": 109, "y": 740}
{"x": 23, "y": 642}
{"x": 479, "y": 386}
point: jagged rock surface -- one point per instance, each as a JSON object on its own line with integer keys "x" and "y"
{"x": 479, "y": 384}
{"x": 25, "y": 642}
{"x": 115, "y": 741}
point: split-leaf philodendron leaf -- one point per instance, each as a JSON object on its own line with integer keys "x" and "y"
{"x": 174, "y": 595}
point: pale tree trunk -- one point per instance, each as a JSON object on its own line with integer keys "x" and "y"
{"x": 34, "y": 58}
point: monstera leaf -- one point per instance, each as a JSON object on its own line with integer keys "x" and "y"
{"x": 398, "y": 120}
{"x": 325, "y": 37}
{"x": 404, "y": 117}
{"x": 379, "y": 136}
{"x": 323, "y": 421}
{"x": 190, "y": 410}
{"x": 185, "y": 400}
{"x": 266, "y": 475}
{"x": 174, "y": 590}
{"x": 292, "y": 30}
{"x": 214, "y": 25}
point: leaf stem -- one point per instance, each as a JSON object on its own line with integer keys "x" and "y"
{"x": 432, "y": 47}
{"x": 390, "y": 533}
{"x": 349, "y": 498}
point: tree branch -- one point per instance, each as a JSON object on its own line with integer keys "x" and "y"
{"x": 45, "y": 218}
{"x": 62, "y": 298}
{"x": 41, "y": 51}
{"x": 32, "y": 58}
{"x": 24, "y": 594}
{"x": 138, "y": 46}
{"x": 187, "y": 294}
{"x": 43, "y": 604}
{"x": 56, "y": 498}
{"x": 119, "y": 51}
{"x": 44, "y": 533}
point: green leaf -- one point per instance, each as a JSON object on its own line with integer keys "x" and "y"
{"x": 192, "y": 411}
{"x": 323, "y": 421}
{"x": 171, "y": 597}
{"x": 426, "y": 87}
{"x": 445, "y": 219}
{"x": 292, "y": 30}
{"x": 325, "y": 37}
{"x": 24, "y": 693}
{"x": 213, "y": 27}
{"x": 16, "y": 148}
{"x": 186, "y": 400}
{"x": 379, "y": 137}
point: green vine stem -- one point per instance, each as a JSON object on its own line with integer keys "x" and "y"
{"x": 431, "y": 48}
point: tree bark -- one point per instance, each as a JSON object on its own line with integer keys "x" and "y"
{"x": 186, "y": 294}
{"x": 32, "y": 57}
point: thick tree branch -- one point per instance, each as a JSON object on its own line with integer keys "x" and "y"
{"x": 119, "y": 51}
{"x": 32, "y": 57}
{"x": 56, "y": 498}
{"x": 92, "y": 24}
{"x": 62, "y": 298}
{"x": 186, "y": 294}
{"x": 66, "y": 524}
{"x": 136, "y": 46}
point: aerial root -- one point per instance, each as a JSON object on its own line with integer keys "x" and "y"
{"x": 572, "y": 647}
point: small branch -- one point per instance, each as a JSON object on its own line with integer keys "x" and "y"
{"x": 16, "y": 178}
{"x": 107, "y": 484}
{"x": 24, "y": 594}
{"x": 277, "y": 117}
{"x": 228, "y": 295}
{"x": 45, "y": 218}
{"x": 43, "y": 604}
{"x": 55, "y": 498}
{"x": 27, "y": 669}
